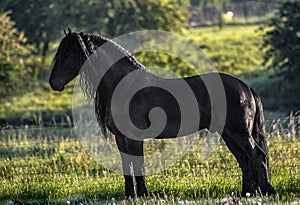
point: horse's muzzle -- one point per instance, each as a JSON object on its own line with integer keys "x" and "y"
{"x": 57, "y": 86}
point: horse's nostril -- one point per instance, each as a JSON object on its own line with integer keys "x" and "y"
{"x": 51, "y": 83}
{"x": 56, "y": 86}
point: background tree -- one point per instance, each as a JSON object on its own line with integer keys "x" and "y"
{"x": 43, "y": 21}
{"x": 282, "y": 41}
{"x": 13, "y": 75}
{"x": 38, "y": 19}
{"x": 127, "y": 16}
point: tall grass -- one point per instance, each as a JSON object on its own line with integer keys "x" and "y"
{"x": 50, "y": 164}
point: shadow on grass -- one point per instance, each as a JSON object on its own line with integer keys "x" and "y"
{"x": 38, "y": 118}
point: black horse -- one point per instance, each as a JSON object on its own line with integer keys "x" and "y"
{"x": 243, "y": 130}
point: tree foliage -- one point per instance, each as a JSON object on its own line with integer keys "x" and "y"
{"x": 282, "y": 41}
{"x": 43, "y": 21}
{"x": 33, "y": 20}
{"x": 128, "y": 16}
{"x": 40, "y": 20}
{"x": 13, "y": 74}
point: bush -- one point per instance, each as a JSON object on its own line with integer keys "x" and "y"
{"x": 282, "y": 41}
{"x": 13, "y": 72}
{"x": 128, "y": 16}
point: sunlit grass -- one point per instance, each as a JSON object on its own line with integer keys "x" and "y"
{"x": 40, "y": 102}
{"x": 50, "y": 164}
{"x": 233, "y": 49}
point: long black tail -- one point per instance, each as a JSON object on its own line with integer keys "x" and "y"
{"x": 259, "y": 131}
{"x": 260, "y": 136}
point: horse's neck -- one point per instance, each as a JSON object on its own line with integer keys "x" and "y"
{"x": 109, "y": 51}
{"x": 96, "y": 40}
{"x": 113, "y": 62}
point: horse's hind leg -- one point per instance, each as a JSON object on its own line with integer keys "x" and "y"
{"x": 249, "y": 183}
{"x": 256, "y": 159}
{"x": 133, "y": 166}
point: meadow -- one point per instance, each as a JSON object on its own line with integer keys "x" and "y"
{"x": 50, "y": 165}
{"x": 44, "y": 161}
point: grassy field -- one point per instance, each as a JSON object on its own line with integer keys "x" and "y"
{"x": 50, "y": 165}
{"x": 234, "y": 49}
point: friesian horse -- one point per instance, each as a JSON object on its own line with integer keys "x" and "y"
{"x": 243, "y": 131}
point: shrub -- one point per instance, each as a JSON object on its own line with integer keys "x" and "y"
{"x": 13, "y": 72}
{"x": 282, "y": 41}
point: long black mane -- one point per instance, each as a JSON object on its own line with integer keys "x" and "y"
{"x": 89, "y": 43}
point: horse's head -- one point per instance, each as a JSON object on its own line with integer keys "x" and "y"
{"x": 68, "y": 60}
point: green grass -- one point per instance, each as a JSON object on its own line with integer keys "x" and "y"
{"x": 40, "y": 102}
{"x": 234, "y": 49}
{"x": 50, "y": 165}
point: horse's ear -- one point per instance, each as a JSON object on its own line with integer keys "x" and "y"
{"x": 69, "y": 31}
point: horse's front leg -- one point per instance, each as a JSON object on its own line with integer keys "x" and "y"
{"x": 133, "y": 166}
{"x": 141, "y": 188}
